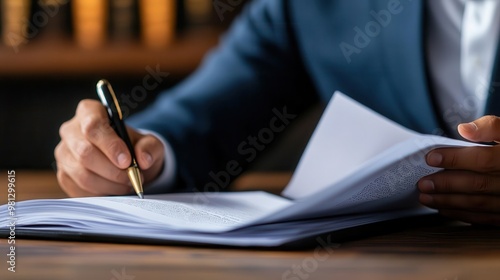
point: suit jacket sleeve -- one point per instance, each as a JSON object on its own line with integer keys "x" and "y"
{"x": 240, "y": 90}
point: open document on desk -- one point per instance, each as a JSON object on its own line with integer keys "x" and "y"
{"x": 343, "y": 180}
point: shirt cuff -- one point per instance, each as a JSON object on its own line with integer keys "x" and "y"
{"x": 165, "y": 181}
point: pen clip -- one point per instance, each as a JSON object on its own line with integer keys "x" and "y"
{"x": 108, "y": 99}
{"x": 110, "y": 102}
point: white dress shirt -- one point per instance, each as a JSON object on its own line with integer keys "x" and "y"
{"x": 461, "y": 41}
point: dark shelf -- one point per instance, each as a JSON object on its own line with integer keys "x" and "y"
{"x": 64, "y": 58}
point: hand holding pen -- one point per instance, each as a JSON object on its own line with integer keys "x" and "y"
{"x": 110, "y": 102}
{"x": 92, "y": 160}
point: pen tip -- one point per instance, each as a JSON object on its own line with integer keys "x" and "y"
{"x": 135, "y": 179}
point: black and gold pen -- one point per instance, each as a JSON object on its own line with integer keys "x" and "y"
{"x": 109, "y": 100}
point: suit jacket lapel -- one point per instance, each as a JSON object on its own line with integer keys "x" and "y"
{"x": 407, "y": 68}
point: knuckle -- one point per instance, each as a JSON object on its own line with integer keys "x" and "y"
{"x": 58, "y": 151}
{"x": 481, "y": 184}
{"x": 85, "y": 106}
{"x": 454, "y": 160}
{"x": 84, "y": 151}
{"x": 443, "y": 184}
{"x": 485, "y": 160}
{"x": 84, "y": 179}
{"x": 62, "y": 158}
{"x": 493, "y": 122}
{"x": 62, "y": 178}
{"x": 59, "y": 175}
{"x": 114, "y": 146}
{"x": 65, "y": 164}
{"x": 91, "y": 127}
{"x": 63, "y": 129}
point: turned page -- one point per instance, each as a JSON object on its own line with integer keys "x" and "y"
{"x": 347, "y": 135}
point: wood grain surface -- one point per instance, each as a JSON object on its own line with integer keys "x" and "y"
{"x": 452, "y": 251}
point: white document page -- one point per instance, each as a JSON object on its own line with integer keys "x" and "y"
{"x": 385, "y": 182}
{"x": 216, "y": 212}
{"x": 259, "y": 235}
{"x": 348, "y": 134}
{"x": 356, "y": 177}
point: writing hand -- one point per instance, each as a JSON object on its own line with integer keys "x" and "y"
{"x": 91, "y": 158}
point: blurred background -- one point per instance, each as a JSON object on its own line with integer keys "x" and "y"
{"x": 53, "y": 52}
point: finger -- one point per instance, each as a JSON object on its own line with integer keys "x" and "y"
{"x": 472, "y": 217}
{"x": 63, "y": 156}
{"x": 90, "y": 158}
{"x": 96, "y": 129}
{"x": 479, "y": 159}
{"x": 69, "y": 186}
{"x": 464, "y": 182}
{"x": 150, "y": 156}
{"x": 92, "y": 183}
{"x": 484, "y": 129}
{"x": 475, "y": 203}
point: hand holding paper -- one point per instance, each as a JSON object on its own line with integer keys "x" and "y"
{"x": 469, "y": 187}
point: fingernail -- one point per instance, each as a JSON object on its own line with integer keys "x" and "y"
{"x": 434, "y": 159}
{"x": 469, "y": 127}
{"x": 427, "y": 186}
{"x": 148, "y": 158}
{"x": 122, "y": 159}
{"x": 425, "y": 199}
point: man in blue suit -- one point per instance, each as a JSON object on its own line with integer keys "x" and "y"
{"x": 428, "y": 65}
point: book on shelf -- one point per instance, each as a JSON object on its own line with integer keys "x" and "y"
{"x": 90, "y": 21}
{"x": 93, "y": 23}
{"x": 342, "y": 182}
{"x": 158, "y": 22}
{"x": 52, "y": 19}
{"x": 123, "y": 20}
{"x": 15, "y": 22}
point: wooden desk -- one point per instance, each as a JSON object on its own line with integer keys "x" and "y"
{"x": 451, "y": 252}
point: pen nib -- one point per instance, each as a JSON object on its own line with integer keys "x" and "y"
{"x": 135, "y": 179}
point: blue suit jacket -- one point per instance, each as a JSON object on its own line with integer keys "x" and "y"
{"x": 290, "y": 53}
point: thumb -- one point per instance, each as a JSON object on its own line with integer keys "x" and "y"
{"x": 150, "y": 154}
{"x": 484, "y": 129}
